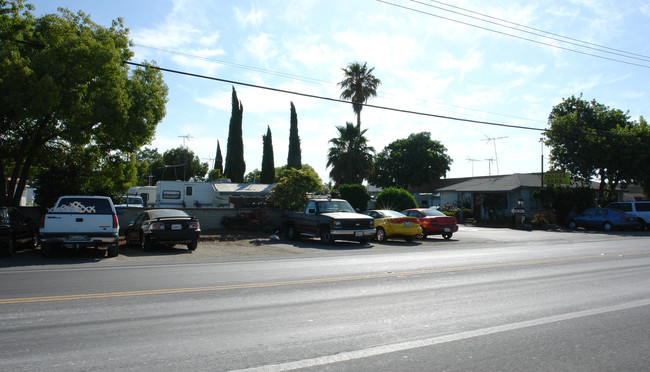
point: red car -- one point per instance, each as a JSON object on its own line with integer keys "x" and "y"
{"x": 434, "y": 222}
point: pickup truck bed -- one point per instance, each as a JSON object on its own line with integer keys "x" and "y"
{"x": 80, "y": 221}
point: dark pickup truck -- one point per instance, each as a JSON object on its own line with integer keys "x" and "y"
{"x": 329, "y": 219}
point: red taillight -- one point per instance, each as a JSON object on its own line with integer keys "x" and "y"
{"x": 194, "y": 225}
{"x": 157, "y": 226}
{"x": 115, "y": 223}
{"x": 42, "y": 220}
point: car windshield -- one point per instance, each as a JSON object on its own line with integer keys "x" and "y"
{"x": 335, "y": 206}
{"x": 433, "y": 213}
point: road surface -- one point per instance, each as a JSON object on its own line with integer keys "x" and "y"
{"x": 488, "y": 300}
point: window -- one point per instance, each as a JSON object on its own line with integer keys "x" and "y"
{"x": 171, "y": 194}
{"x": 642, "y": 207}
{"x": 188, "y": 190}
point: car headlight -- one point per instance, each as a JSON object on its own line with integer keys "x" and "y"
{"x": 336, "y": 224}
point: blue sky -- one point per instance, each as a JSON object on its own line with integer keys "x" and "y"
{"x": 426, "y": 62}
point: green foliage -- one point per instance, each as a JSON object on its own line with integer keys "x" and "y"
{"x": 540, "y": 220}
{"x": 350, "y": 156}
{"x": 178, "y": 164}
{"x": 588, "y": 139}
{"x": 66, "y": 87}
{"x": 291, "y": 191}
{"x": 235, "y": 165}
{"x": 267, "y": 175}
{"x": 79, "y": 171}
{"x": 356, "y": 195}
{"x": 358, "y": 85}
{"x": 218, "y": 161}
{"x": 253, "y": 176}
{"x": 281, "y": 172}
{"x": 396, "y": 199}
{"x": 255, "y": 220}
{"x": 294, "y": 158}
{"x": 214, "y": 175}
{"x": 565, "y": 201}
{"x": 412, "y": 161}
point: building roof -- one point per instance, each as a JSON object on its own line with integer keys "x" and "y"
{"x": 242, "y": 188}
{"x": 504, "y": 183}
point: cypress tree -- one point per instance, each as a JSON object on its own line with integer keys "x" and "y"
{"x": 268, "y": 167}
{"x": 218, "y": 161}
{"x": 294, "y": 158}
{"x": 235, "y": 165}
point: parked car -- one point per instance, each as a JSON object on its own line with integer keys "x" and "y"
{"x": 165, "y": 227}
{"x": 131, "y": 201}
{"x": 605, "y": 218}
{"x": 434, "y": 222}
{"x": 639, "y": 209}
{"x": 17, "y": 231}
{"x": 391, "y": 223}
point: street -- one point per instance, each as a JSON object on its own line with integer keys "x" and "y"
{"x": 488, "y": 300}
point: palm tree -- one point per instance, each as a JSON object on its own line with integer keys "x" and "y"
{"x": 359, "y": 85}
{"x": 350, "y": 156}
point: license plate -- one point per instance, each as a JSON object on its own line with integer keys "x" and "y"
{"x": 358, "y": 233}
{"x": 407, "y": 224}
{"x": 447, "y": 229}
{"x": 78, "y": 238}
{"x": 177, "y": 226}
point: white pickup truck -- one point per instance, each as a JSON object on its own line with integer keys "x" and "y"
{"x": 80, "y": 221}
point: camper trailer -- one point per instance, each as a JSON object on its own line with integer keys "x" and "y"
{"x": 180, "y": 194}
{"x": 148, "y": 194}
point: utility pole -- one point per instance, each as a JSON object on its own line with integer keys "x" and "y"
{"x": 541, "y": 140}
{"x": 185, "y": 137}
{"x": 490, "y": 161}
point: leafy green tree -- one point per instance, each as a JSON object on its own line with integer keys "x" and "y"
{"x": 294, "y": 159}
{"x": 395, "y": 199}
{"x": 235, "y": 165}
{"x": 350, "y": 156}
{"x": 267, "y": 175}
{"x": 79, "y": 170}
{"x": 412, "y": 161}
{"x": 253, "y": 177}
{"x": 292, "y": 191}
{"x": 63, "y": 85}
{"x": 640, "y": 138}
{"x": 359, "y": 84}
{"x": 280, "y": 172}
{"x": 357, "y": 195}
{"x": 213, "y": 175}
{"x": 181, "y": 164}
{"x": 587, "y": 138}
{"x": 145, "y": 160}
{"x": 218, "y": 160}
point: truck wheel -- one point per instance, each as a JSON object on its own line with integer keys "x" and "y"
{"x": 326, "y": 236}
{"x": 291, "y": 233}
{"x": 447, "y": 236}
{"x": 113, "y": 250}
{"x": 8, "y": 250}
{"x": 47, "y": 250}
{"x": 146, "y": 244}
{"x": 192, "y": 246}
{"x": 381, "y": 235}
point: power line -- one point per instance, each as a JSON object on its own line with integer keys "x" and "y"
{"x": 535, "y": 29}
{"x": 313, "y": 80}
{"x": 333, "y": 99}
{"x": 515, "y": 36}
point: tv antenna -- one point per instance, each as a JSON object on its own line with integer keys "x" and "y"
{"x": 496, "y": 157}
{"x": 186, "y": 137}
{"x": 473, "y": 161}
{"x": 490, "y": 161}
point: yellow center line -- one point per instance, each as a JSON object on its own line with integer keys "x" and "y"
{"x": 310, "y": 281}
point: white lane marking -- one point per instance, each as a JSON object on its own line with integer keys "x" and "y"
{"x": 385, "y": 349}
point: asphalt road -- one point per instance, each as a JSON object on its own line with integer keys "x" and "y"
{"x": 486, "y": 300}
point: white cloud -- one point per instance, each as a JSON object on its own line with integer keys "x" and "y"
{"x": 251, "y": 17}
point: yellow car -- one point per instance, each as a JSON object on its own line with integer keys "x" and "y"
{"x": 391, "y": 223}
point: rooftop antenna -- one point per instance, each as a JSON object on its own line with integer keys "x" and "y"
{"x": 490, "y": 161}
{"x": 496, "y": 157}
{"x": 473, "y": 161}
{"x": 185, "y": 137}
